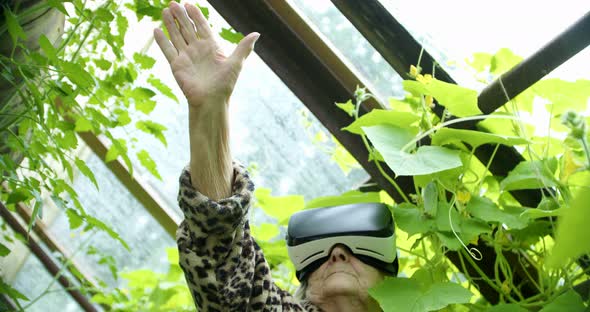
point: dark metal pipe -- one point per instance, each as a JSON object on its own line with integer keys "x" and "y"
{"x": 46, "y": 260}
{"x": 526, "y": 73}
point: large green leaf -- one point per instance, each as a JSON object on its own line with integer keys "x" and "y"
{"x": 474, "y": 138}
{"x": 503, "y": 61}
{"x": 572, "y": 230}
{"x": 405, "y": 120}
{"x": 404, "y": 294}
{"x": 487, "y": 210}
{"x": 411, "y": 220}
{"x": 279, "y": 207}
{"x": 352, "y": 197}
{"x": 531, "y": 175}
{"x": 389, "y": 140}
{"x": 569, "y": 301}
{"x": 459, "y": 101}
{"x": 564, "y": 95}
{"x": 77, "y": 75}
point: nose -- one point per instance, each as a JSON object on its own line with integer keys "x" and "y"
{"x": 340, "y": 253}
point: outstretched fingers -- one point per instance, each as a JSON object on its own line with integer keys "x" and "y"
{"x": 203, "y": 28}
{"x": 173, "y": 30}
{"x": 244, "y": 48}
{"x": 167, "y": 48}
{"x": 187, "y": 29}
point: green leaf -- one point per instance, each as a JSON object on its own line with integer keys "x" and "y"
{"x": 74, "y": 218}
{"x": 487, "y": 210}
{"x": 145, "y": 106}
{"x": 47, "y": 47}
{"x": 11, "y": 292}
{"x": 503, "y": 61}
{"x": 404, "y": 294}
{"x": 4, "y": 251}
{"x": 77, "y": 75}
{"x": 564, "y": 95}
{"x": 147, "y": 162}
{"x": 153, "y": 128}
{"x": 480, "y": 61}
{"x": 104, "y": 15}
{"x": 347, "y": 107}
{"x": 279, "y": 207}
{"x": 14, "y": 29}
{"x": 100, "y": 225}
{"x": 375, "y": 117}
{"x": 474, "y": 138}
{"x": 230, "y": 35}
{"x": 144, "y": 61}
{"x": 572, "y": 228}
{"x": 415, "y": 87}
{"x": 389, "y": 140}
{"x": 459, "y": 101}
{"x": 19, "y": 195}
{"x": 163, "y": 88}
{"x": 531, "y": 175}
{"x": 123, "y": 118}
{"x": 118, "y": 148}
{"x": 83, "y": 125}
{"x": 351, "y": 197}
{"x": 538, "y": 213}
{"x": 86, "y": 171}
{"x": 411, "y": 220}
{"x": 430, "y": 199}
{"x": 58, "y": 4}
{"x": 265, "y": 231}
{"x": 569, "y": 301}
{"x": 503, "y": 307}
{"x": 103, "y": 64}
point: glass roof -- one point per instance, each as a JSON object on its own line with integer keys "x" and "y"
{"x": 461, "y": 28}
{"x": 379, "y": 77}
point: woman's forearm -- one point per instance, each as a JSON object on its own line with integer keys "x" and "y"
{"x": 210, "y": 156}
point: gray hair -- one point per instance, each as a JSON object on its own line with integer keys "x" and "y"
{"x": 301, "y": 292}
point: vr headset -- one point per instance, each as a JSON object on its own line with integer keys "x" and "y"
{"x": 367, "y": 229}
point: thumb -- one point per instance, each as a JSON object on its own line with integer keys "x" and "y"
{"x": 244, "y": 48}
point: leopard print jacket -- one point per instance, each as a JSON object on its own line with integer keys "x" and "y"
{"x": 223, "y": 266}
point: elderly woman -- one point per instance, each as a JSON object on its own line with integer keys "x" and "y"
{"x": 224, "y": 267}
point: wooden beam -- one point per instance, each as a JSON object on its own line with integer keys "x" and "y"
{"x": 310, "y": 68}
{"x": 47, "y": 261}
{"x": 138, "y": 188}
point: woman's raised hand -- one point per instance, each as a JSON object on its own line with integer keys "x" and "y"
{"x": 205, "y": 75}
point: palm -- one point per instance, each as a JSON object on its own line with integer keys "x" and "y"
{"x": 198, "y": 65}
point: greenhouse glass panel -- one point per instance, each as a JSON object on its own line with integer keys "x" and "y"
{"x": 468, "y": 27}
{"x": 348, "y": 42}
{"x": 117, "y": 208}
{"x": 33, "y": 281}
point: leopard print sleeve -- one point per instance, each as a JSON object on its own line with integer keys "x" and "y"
{"x": 224, "y": 267}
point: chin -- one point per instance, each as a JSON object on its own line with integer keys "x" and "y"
{"x": 341, "y": 284}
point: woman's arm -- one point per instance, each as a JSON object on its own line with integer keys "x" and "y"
{"x": 224, "y": 268}
{"x": 207, "y": 78}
